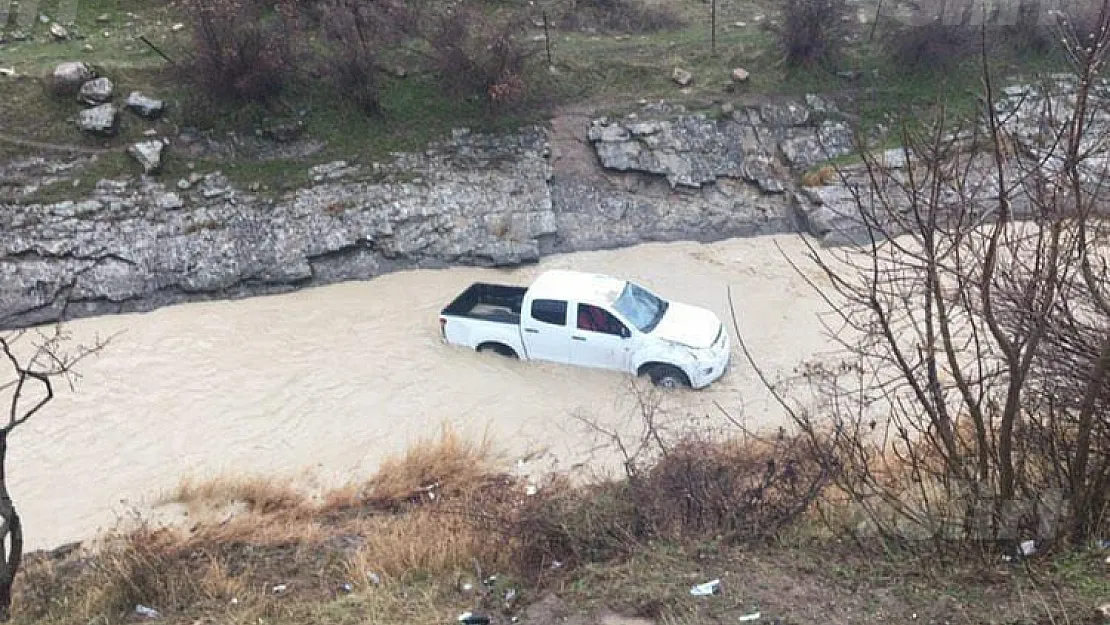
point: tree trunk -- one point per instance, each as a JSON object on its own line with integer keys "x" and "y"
{"x": 13, "y": 530}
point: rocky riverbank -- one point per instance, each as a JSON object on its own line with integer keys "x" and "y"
{"x": 660, "y": 173}
{"x": 141, "y": 242}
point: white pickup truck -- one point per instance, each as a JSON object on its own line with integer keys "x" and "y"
{"x": 591, "y": 320}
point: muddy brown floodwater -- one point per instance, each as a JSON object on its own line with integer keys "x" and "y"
{"x": 321, "y": 384}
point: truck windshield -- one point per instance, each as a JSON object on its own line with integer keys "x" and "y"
{"x": 640, "y": 307}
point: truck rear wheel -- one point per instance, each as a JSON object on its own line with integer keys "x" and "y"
{"x": 667, "y": 376}
{"x": 497, "y": 348}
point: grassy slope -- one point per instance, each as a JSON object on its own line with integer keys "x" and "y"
{"x": 424, "y": 553}
{"x": 602, "y": 72}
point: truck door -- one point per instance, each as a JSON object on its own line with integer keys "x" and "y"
{"x": 600, "y": 339}
{"x": 544, "y": 330}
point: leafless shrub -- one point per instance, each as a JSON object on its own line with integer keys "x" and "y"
{"x": 617, "y": 16}
{"x": 976, "y": 329}
{"x": 811, "y": 31}
{"x": 678, "y": 485}
{"x": 479, "y": 56}
{"x": 356, "y": 33}
{"x": 242, "y": 51}
{"x": 937, "y": 45}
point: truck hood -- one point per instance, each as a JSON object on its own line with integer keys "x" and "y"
{"x": 688, "y": 325}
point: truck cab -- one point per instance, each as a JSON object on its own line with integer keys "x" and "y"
{"x": 595, "y": 321}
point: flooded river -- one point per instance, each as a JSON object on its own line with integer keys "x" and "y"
{"x": 325, "y": 382}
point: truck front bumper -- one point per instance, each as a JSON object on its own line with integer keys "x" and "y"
{"x": 710, "y": 370}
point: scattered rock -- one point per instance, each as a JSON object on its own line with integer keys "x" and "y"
{"x": 788, "y": 114}
{"x": 740, "y": 75}
{"x": 107, "y": 34}
{"x": 58, "y": 31}
{"x": 19, "y": 35}
{"x": 43, "y": 18}
{"x": 283, "y": 131}
{"x": 184, "y": 184}
{"x": 97, "y": 91}
{"x": 820, "y": 104}
{"x": 1104, "y": 611}
{"x": 682, "y": 77}
{"x": 87, "y": 48}
{"x": 177, "y": 27}
{"x": 168, "y": 201}
{"x": 332, "y": 171}
{"x": 143, "y": 106}
{"x": 100, "y": 120}
{"x": 213, "y": 185}
{"x": 68, "y": 77}
{"x": 103, "y": 18}
{"x": 148, "y": 154}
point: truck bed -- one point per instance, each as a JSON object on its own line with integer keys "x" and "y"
{"x": 489, "y": 302}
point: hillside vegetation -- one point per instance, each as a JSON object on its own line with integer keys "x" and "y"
{"x": 339, "y": 79}
{"x": 445, "y": 529}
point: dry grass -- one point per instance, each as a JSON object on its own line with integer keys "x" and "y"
{"x": 819, "y": 178}
{"x": 428, "y": 542}
{"x": 259, "y": 494}
{"x": 445, "y": 467}
{"x": 388, "y": 551}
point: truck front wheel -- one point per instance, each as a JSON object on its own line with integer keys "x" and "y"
{"x": 667, "y": 376}
{"x": 499, "y": 349}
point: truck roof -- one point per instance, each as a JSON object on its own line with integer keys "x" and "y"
{"x": 578, "y": 286}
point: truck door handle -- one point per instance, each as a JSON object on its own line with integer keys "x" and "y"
{"x": 531, "y": 330}
{"x": 578, "y": 338}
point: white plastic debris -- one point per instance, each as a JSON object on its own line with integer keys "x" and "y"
{"x": 556, "y": 565}
{"x": 754, "y": 616}
{"x": 531, "y": 490}
{"x": 470, "y": 618}
{"x": 142, "y": 610}
{"x": 1028, "y": 548}
{"x": 373, "y": 578}
{"x": 711, "y": 587}
{"x": 279, "y": 589}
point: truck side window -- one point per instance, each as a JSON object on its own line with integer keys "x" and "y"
{"x": 594, "y": 319}
{"x": 551, "y": 311}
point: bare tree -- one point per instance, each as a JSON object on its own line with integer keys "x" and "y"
{"x": 35, "y": 362}
{"x": 975, "y": 321}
